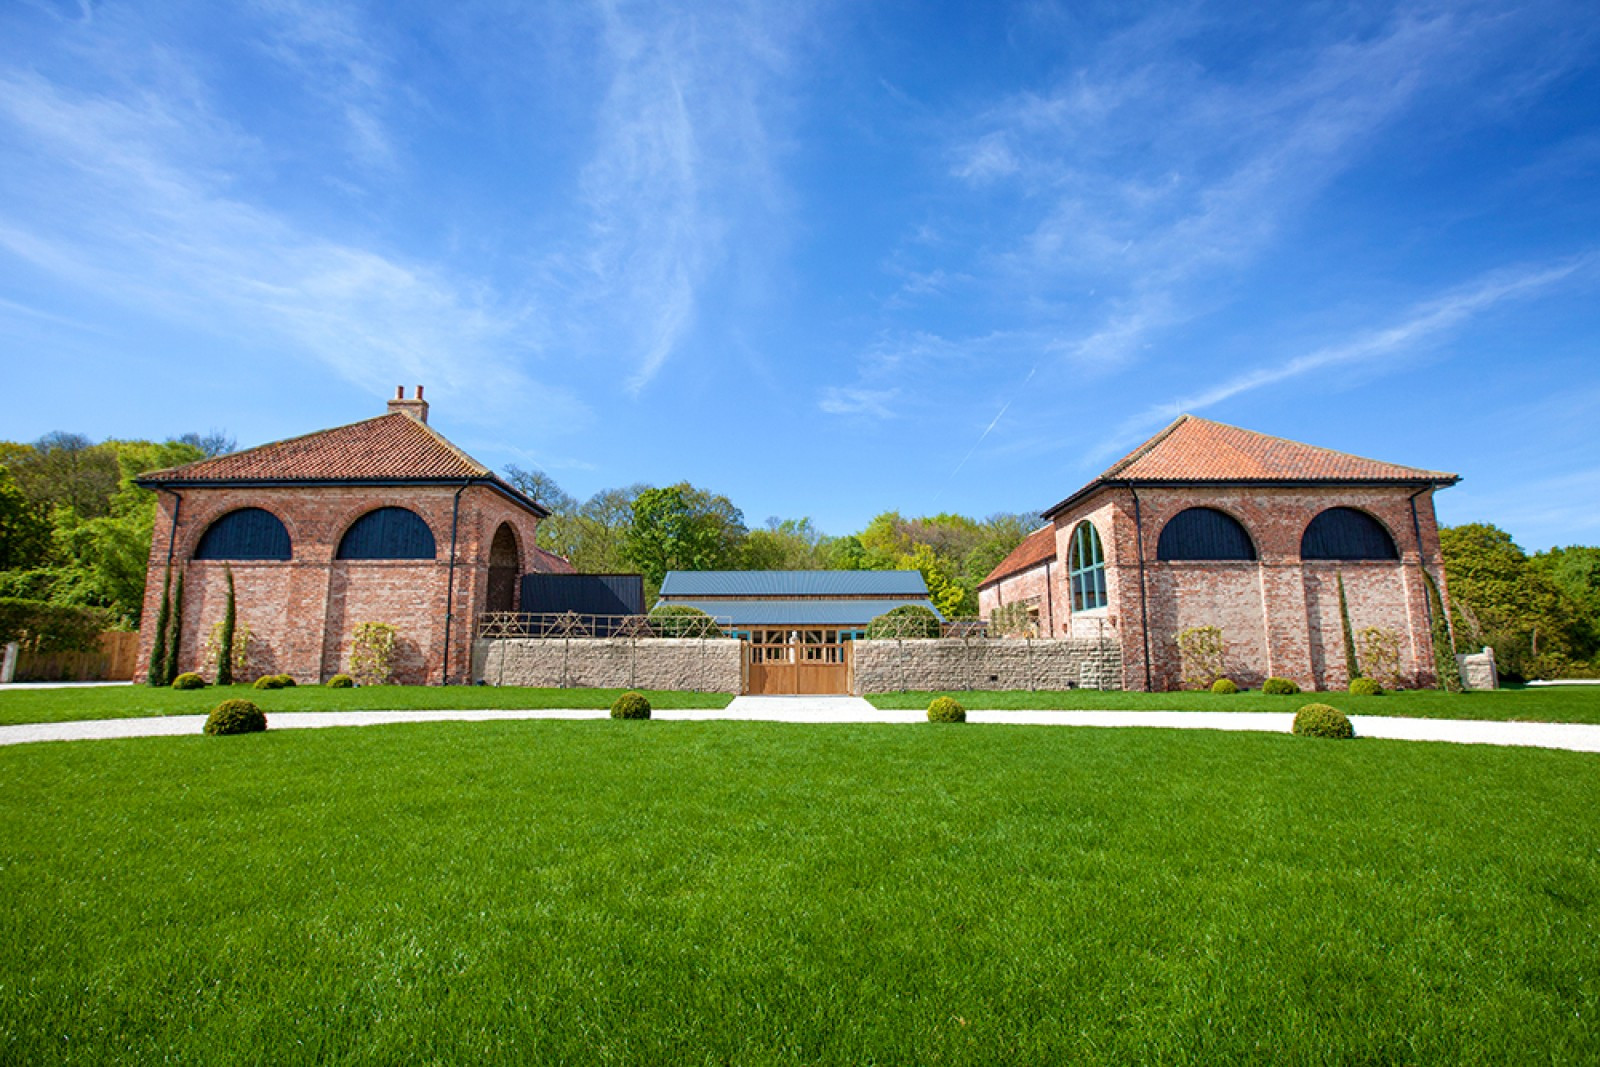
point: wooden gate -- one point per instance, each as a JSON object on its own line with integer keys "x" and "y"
{"x": 811, "y": 662}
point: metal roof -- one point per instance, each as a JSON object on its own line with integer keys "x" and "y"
{"x": 802, "y": 612}
{"x": 793, "y": 584}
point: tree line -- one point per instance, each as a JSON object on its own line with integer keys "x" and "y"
{"x": 653, "y": 530}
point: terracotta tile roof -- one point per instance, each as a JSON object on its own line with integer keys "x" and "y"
{"x": 1034, "y": 550}
{"x": 550, "y": 563}
{"x": 389, "y": 446}
{"x": 392, "y": 447}
{"x": 1195, "y": 450}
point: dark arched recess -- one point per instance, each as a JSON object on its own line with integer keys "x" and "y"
{"x": 504, "y": 563}
{"x": 248, "y": 533}
{"x": 1204, "y": 533}
{"x": 1347, "y": 534}
{"x": 388, "y": 533}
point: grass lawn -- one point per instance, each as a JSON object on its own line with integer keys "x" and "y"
{"x": 753, "y": 892}
{"x": 1577, "y": 703}
{"x": 124, "y": 702}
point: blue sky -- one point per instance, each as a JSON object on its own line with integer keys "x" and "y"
{"x": 826, "y": 258}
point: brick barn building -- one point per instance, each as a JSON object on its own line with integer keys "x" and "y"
{"x": 1211, "y": 525}
{"x": 380, "y": 521}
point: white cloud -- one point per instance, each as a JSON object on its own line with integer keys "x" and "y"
{"x": 873, "y": 403}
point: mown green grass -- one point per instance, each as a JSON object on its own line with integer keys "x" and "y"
{"x": 1540, "y": 704}
{"x": 134, "y": 701}
{"x": 668, "y": 892}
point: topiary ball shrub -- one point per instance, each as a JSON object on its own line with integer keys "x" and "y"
{"x": 944, "y": 709}
{"x": 268, "y": 681}
{"x": 1322, "y": 720}
{"x": 235, "y": 717}
{"x": 285, "y": 682}
{"x": 1279, "y": 687}
{"x": 188, "y": 680}
{"x": 1365, "y": 687}
{"x": 341, "y": 681}
{"x": 1225, "y": 686}
{"x": 630, "y": 706}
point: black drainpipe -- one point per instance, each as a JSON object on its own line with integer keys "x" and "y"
{"x": 450, "y": 583}
{"x": 172, "y": 534}
{"x": 1144, "y": 613}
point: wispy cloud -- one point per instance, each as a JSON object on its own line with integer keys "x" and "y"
{"x": 873, "y": 403}
{"x": 1423, "y": 323}
{"x": 129, "y": 198}
{"x": 682, "y": 160}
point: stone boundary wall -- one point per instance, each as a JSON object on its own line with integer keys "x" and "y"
{"x": 987, "y": 663}
{"x": 1478, "y": 670}
{"x": 711, "y": 665}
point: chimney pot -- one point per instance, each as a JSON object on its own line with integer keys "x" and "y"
{"x": 416, "y": 408}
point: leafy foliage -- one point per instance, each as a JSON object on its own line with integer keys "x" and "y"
{"x": 1379, "y": 649}
{"x": 1016, "y": 619}
{"x": 225, "y": 636}
{"x": 906, "y": 621}
{"x": 235, "y": 716}
{"x": 188, "y": 680}
{"x": 270, "y": 681}
{"x": 682, "y": 528}
{"x": 1365, "y": 687}
{"x": 1322, "y": 720}
{"x": 681, "y": 620}
{"x": 945, "y": 709}
{"x": 239, "y": 661}
{"x": 159, "y": 659}
{"x": 1282, "y": 687}
{"x": 631, "y": 706}
{"x": 41, "y": 627}
{"x": 1352, "y": 666}
{"x": 341, "y": 681}
{"x": 372, "y": 649}
{"x": 1202, "y": 654}
{"x": 1225, "y": 686}
{"x": 1447, "y": 676}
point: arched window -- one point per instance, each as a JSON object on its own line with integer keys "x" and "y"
{"x": 1345, "y": 533}
{"x": 1204, "y": 533}
{"x": 1086, "y": 564}
{"x": 249, "y": 533}
{"x": 388, "y": 533}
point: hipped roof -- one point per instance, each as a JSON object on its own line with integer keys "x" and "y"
{"x": 1196, "y": 451}
{"x": 392, "y": 448}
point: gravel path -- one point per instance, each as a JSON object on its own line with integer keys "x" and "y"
{"x": 1570, "y": 736}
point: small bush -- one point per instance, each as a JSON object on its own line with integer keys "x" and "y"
{"x": 341, "y": 681}
{"x": 944, "y": 709}
{"x": 630, "y": 706}
{"x": 268, "y": 681}
{"x": 285, "y": 682}
{"x": 188, "y": 680}
{"x": 1279, "y": 687}
{"x": 235, "y": 717}
{"x": 906, "y": 621}
{"x": 1225, "y": 686}
{"x": 1365, "y": 687}
{"x": 1322, "y": 720}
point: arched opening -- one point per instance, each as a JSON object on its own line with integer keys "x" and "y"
{"x": 1204, "y": 533}
{"x": 248, "y": 533}
{"x": 1347, "y": 534}
{"x": 504, "y": 564}
{"x": 388, "y": 533}
{"x": 1086, "y": 565}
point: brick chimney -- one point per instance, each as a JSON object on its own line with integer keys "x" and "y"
{"x": 417, "y": 408}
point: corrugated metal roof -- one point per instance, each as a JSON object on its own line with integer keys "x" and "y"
{"x": 793, "y": 584}
{"x": 806, "y": 612}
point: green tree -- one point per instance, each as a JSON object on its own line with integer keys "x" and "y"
{"x": 1576, "y": 570}
{"x": 785, "y": 545}
{"x": 24, "y": 532}
{"x": 682, "y": 528}
{"x": 1499, "y": 599}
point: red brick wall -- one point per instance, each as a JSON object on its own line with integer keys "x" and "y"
{"x": 1279, "y": 615}
{"x": 302, "y": 611}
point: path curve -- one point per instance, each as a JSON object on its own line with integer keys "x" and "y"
{"x": 1574, "y": 737}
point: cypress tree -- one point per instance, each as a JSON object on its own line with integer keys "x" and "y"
{"x": 1352, "y": 667}
{"x": 1444, "y": 649}
{"x": 176, "y": 642}
{"x": 225, "y": 653}
{"x": 157, "y": 675}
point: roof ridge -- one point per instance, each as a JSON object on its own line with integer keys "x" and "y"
{"x": 1143, "y": 450}
{"x": 446, "y": 442}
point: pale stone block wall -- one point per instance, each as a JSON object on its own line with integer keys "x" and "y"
{"x": 1478, "y": 670}
{"x": 711, "y": 665}
{"x": 992, "y": 664}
